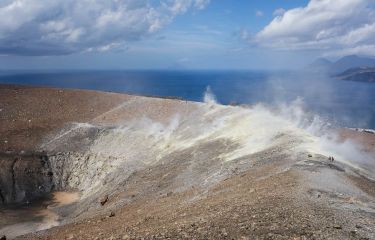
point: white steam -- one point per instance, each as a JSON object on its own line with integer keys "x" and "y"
{"x": 209, "y": 97}
{"x": 324, "y": 139}
{"x": 260, "y": 124}
{"x": 256, "y": 129}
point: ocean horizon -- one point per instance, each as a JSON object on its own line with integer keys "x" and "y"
{"x": 343, "y": 103}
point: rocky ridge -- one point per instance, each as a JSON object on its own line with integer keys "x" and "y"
{"x": 159, "y": 168}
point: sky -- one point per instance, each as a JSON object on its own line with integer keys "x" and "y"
{"x": 182, "y": 34}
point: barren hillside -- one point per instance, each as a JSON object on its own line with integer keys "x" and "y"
{"x": 93, "y": 165}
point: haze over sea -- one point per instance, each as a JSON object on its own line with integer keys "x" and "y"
{"x": 343, "y": 103}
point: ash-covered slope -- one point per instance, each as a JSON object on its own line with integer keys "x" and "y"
{"x": 169, "y": 168}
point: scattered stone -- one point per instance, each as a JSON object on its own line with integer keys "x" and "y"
{"x": 310, "y": 155}
{"x": 224, "y": 232}
{"x": 3, "y": 237}
{"x": 337, "y": 227}
{"x": 358, "y": 226}
{"x": 103, "y": 200}
{"x": 111, "y": 214}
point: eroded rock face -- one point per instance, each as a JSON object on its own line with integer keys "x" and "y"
{"x": 24, "y": 177}
{"x": 85, "y": 172}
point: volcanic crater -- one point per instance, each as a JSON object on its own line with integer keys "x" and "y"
{"x": 78, "y": 164}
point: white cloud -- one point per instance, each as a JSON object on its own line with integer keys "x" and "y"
{"x": 53, "y": 27}
{"x": 331, "y": 25}
{"x": 259, "y": 13}
{"x": 183, "y": 60}
{"x": 279, "y": 11}
{"x": 201, "y": 4}
{"x": 244, "y": 34}
{"x": 365, "y": 50}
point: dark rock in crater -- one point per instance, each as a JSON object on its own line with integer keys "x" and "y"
{"x": 24, "y": 177}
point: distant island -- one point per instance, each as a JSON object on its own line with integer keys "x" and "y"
{"x": 361, "y": 74}
{"x": 348, "y": 68}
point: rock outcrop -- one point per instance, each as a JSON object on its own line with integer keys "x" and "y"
{"x": 24, "y": 177}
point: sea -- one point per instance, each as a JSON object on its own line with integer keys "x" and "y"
{"x": 344, "y": 103}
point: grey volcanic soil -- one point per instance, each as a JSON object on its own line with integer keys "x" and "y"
{"x": 143, "y": 172}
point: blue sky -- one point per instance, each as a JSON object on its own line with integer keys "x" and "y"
{"x": 182, "y": 34}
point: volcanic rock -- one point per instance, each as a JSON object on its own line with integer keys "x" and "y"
{"x": 103, "y": 200}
